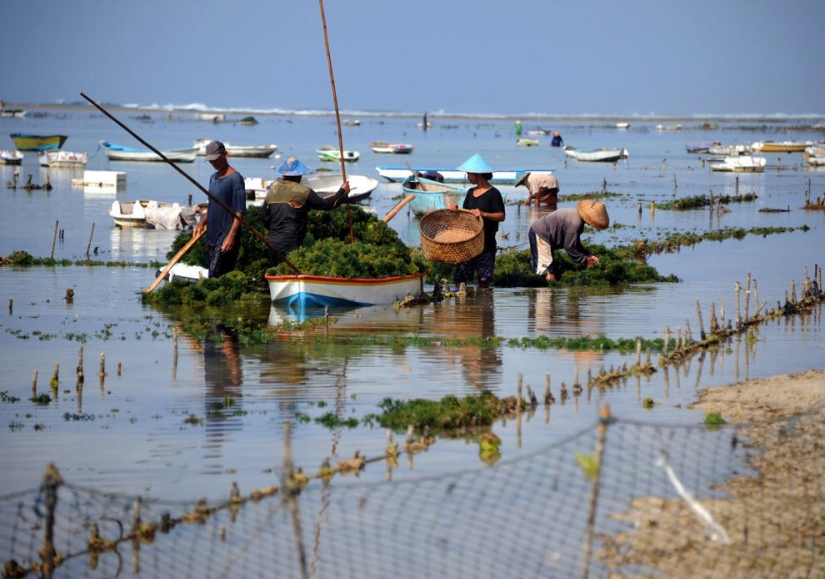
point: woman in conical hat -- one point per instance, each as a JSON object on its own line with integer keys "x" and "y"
{"x": 484, "y": 201}
{"x": 562, "y": 229}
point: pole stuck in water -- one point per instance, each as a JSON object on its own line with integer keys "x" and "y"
{"x": 337, "y": 116}
{"x": 254, "y": 231}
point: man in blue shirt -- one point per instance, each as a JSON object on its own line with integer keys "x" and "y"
{"x": 223, "y": 233}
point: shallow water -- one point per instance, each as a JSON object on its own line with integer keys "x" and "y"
{"x": 130, "y": 433}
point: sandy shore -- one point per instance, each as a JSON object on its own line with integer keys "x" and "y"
{"x": 775, "y": 521}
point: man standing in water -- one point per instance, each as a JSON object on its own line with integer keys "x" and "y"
{"x": 223, "y": 228}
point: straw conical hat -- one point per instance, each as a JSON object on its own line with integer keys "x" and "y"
{"x": 594, "y": 213}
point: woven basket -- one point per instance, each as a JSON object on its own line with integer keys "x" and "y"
{"x": 451, "y": 236}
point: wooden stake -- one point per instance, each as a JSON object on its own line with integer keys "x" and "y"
{"x": 54, "y": 238}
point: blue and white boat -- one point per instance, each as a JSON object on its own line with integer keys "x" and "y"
{"x": 303, "y": 291}
{"x": 397, "y": 174}
{"x": 115, "y": 152}
{"x": 431, "y": 195}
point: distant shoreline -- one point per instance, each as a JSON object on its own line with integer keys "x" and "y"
{"x": 431, "y": 116}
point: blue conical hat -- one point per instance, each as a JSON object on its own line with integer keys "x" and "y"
{"x": 292, "y": 167}
{"x": 475, "y": 164}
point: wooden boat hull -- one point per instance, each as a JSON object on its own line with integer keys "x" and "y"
{"x": 398, "y": 173}
{"x": 11, "y": 158}
{"x": 321, "y": 291}
{"x": 120, "y": 153}
{"x": 25, "y": 142}
{"x": 431, "y": 195}
{"x": 781, "y": 147}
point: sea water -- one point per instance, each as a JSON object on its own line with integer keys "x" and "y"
{"x": 147, "y": 425}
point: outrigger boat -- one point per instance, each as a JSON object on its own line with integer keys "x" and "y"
{"x": 320, "y": 291}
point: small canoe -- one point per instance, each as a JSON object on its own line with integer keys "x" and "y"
{"x": 703, "y": 147}
{"x": 382, "y": 147}
{"x": 729, "y": 150}
{"x": 739, "y": 164}
{"x": 431, "y": 195}
{"x": 597, "y": 155}
{"x": 321, "y": 291}
{"x": 122, "y": 153}
{"x": 11, "y": 158}
{"x": 622, "y": 125}
{"x": 60, "y": 158}
{"x": 524, "y": 142}
{"x": 25, "y": 142}
{"x": 330, "y": 153}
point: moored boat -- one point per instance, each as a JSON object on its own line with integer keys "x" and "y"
{"x": 430, "y": 195}
{"x": 117, "y": 152}
{"x": 597, "y": 155}
{"x": 382, "y": 147}
{"x": 781, "y": 147}
{"x": 321, "y": 291}
{"x": 729, "y": 150}
{"x": 135, "y": 213}
{"x": 361, "y": 186}
{"x": 330, "y": 153}
{"x": 703, "y": 147}
{"x": 253, "y": 151}
{"x": 739, "y": 164}
{"x": 27, "y": 142}
{"x": 397, "y": 174}
{"x": 60, "y": 158}
{"x": 11, "y": 157}
{"x": 525, "y": 142}
{"x": 814, "y": 156}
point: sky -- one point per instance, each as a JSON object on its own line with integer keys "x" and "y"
{"x": 504, "y": 57}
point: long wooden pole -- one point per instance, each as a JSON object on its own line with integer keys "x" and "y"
{"x": 174, "y": 260}
{"x": 254, "y": 231}
{"x": 337, "y": 117}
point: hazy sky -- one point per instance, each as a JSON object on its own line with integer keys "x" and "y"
{"x": 659, "y": 57}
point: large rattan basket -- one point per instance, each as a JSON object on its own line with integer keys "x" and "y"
{"x": 451, "y": 236}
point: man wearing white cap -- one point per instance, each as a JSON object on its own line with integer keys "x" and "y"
{"x": 223, "y": 233}
{"x": 562, "y": 229}
{"x": 543, "y": 187}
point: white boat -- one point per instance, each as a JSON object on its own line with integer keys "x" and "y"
{"x": 11, "y": 157}
{"x": 135, "y": 213}
{"x": 361, "y": 186}
{"x": 739, "y": 164}
{"x": 382, "y": 147}
{"x": 622, "y": 125}
{"x": 254, "y": 151}
{"x": 669, "y": 127}
{"x": 122, "y": 153}
{"x": 397, "y": 174}
{"x": 597, "y": 155}
{"x": 729, "y": 150}
{"x": 213, "y": 117}
{"x": 61, "y": 158}
{"x": 330, "y": 153}
{"x": 814, "y": 156}
{"x": 320, "y": 291}
{"x": 525, "y": 142}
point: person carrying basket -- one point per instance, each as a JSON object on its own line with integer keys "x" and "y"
{"x": 485, "y": 201}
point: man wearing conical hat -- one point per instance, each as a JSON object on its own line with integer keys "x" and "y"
{"x": 562, "y": 229}
{"x": 287, "y": 206}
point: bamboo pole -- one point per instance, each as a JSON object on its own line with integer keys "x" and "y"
{"x": 337, "y": 116}
{"x": 191, "y": 179}
{"x": 398, "y": 207}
